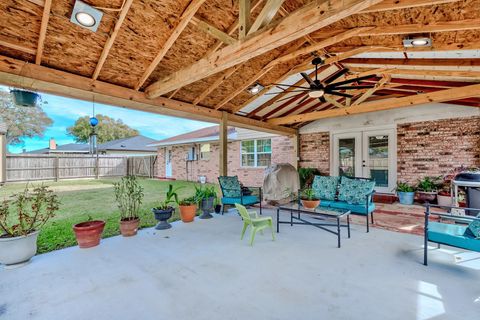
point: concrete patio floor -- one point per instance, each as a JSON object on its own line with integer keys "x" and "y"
{"x": 202, "y": 270}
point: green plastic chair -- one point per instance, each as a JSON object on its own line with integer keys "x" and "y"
{"x": 250, "y": 218}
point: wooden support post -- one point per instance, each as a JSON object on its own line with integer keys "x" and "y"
{"x": 223, "y": 148}
{"x": 296, "y": 150}
{"x": 3, "y": 158}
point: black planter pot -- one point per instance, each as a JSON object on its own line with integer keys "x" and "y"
{"x": 162, "y": 216}
{"x": 24, "y": 98}
{"x": 207, "y": 207}
{"x": 218, "y": 208}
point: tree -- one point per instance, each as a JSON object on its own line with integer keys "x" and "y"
{"x": 108, "y": 129}
{"x": 22, "y": 122}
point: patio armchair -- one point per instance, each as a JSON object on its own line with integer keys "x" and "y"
{"x": 256, "y": 223}
{"x": 460, "y": 231}
{"x": 232, "y": 193}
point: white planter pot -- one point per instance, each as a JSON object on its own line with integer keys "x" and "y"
{"x": 444, "y": 200}
{"x": 18, "y": 251}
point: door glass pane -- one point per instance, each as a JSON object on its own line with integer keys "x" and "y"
{"x": 346, "y": 156}
{"x": 378, "y": 159}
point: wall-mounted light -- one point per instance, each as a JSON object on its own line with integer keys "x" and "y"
{"x": 417, "y": 42}
{"x": 255, "y": 88}
{"x": 86, "y": 16}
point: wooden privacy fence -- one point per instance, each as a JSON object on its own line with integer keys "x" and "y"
{"x": 57, "y": 167}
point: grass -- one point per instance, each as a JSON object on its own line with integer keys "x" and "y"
{"x": 83, "y": 200}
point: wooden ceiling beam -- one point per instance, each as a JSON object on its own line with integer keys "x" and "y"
{"x": 380, "y": 84}
{"x": 313, "y": 16}
{"x": 184, "y": 19}
{"x": 244, "y": 23}
{"x": 416, "y": 72}
{"x": 212, "y": 31}
{"x": 111, "y": 39}
{"x": 388, "y": 5}
{"x": 437, "y": 96}
{"x": 43, "y": 31}
{"x": 472, "y": 62}
{"x": 216, "y": 84}
{"x": 266, "y": 15}
{"x": 16, "y": 46}
{"x": 39, "y": 78}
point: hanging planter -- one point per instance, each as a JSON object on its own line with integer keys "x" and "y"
{"x": 24, "y": 98}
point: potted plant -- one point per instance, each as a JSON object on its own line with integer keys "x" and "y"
{"x": 89, "y": 233}
{"x": 308, "y": 198}
{"x": 405, "y": 192}
{"x": 129, "y": 196}
{"x": 163, "y": 211}
{"x": 427, "y": 189}
{"x": 188, "y": 209}
{"x": 205, "y": 197}
{"x": 444, "y": 196}
{"x": 24, "y": 98}
{"x": 20, "y": 222}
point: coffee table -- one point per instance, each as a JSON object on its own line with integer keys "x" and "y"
{"x": 330, "y": 218}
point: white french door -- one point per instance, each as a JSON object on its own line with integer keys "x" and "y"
{"x": 368, "y": 154}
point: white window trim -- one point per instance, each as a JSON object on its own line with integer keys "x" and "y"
{"x": 255, "y": 154}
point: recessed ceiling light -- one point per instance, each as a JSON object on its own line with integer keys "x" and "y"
{"x": 86, "y": 16}
{"x": 255, "y": 88}
{"x": 85, "y": 19}
{"x": 417, "y": 42}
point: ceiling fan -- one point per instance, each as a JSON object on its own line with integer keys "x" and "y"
{"x": 318, "y": 89}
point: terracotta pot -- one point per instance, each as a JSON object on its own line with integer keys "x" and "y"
{"x": 423, "y": 196}
{"x": 88, "y": 233}
{"x": 187, "y": 213}
{"x": 310, "y": 204}
{"x": 129, "y": 228}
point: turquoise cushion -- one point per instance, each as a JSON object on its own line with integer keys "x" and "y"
{"x": 325, "y": 187}
{"x": 326, "y": 203}
{"x": 473, "y": 229}
{"x": 354, "y": 191}
{"x": 230, "y": 186}
{"x": 354, "y": 208}
{"x": 245, "y": 200}
{"x": 453, "y": 235}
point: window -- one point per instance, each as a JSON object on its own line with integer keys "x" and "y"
{"x": 256, "y": 153}
{"x": 205, "y": 151}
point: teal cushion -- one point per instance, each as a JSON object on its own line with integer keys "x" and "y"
{"x": 245, "y": 200}
{"x": 354, "y": 208}
{"x": 473, "y": 229}
{"x": 325, "y": 187}
{"x": 326, "y": 203}
{"x": 453, "y": 235}
{"x": 354, "y": 191}
{"x": 230, "y": 186}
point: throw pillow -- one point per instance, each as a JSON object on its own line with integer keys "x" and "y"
{"x": 230, "y": 186}
{"x": 325, "y": 187}
{"x": 354, "y": 191}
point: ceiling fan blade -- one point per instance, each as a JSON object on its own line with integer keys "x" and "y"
{"x": 286, "y": 92}
{"x": 303, "y": 99}
{"x": 307, "y": 78}
{"x": 352, "y": 87}
{"x": 337, "y": 75}
{"x": 352, "y": 80}
{"x": 340, "y": 94}
{"x": 322, "y": 99}
{"x": 289, "y": 85}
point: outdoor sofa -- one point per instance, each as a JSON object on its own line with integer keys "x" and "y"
{"x": 452, "y": 230}
{"x": 351, "y": 193}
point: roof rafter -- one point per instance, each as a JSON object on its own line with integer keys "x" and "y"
{"x": 212, "y": 31}
{"x": 17, "y": 46}
{"x": 387, "y": 5}
{"x": 185, "y": 18}
{"x": 111, "y": 39}
{"x": 244, "y": 18}
{"x": 303, "y": 21}
{"x": 437, "y": 96}
{"x": 266, "y": 15}
{"x": 43, "y": 31}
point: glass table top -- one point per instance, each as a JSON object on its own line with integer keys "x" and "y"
{"x": 295, "y": 206}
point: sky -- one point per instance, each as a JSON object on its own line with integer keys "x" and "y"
{"x": 65, "y": 111}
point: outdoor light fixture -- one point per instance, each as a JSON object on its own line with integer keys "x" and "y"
{"x": 316, "y": 93}
{"x": 86, "y": 16}
{"x": 417, "y": 42}
{"x": 255, "y": 88}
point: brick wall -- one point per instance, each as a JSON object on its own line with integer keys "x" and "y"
{"x": 315, "y": 151}
{"x": 434, "y": 148}
{"x": 282, "y": 152}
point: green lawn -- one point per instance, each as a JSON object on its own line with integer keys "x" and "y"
{"x": 94, "y": 199}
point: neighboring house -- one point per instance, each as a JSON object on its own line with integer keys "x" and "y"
{"x": 137, "y": 145}
{"x": 401, "y": 145}
{"x": 195, "y": 155}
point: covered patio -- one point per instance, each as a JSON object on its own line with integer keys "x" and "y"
{"x": 202, "y": 270}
